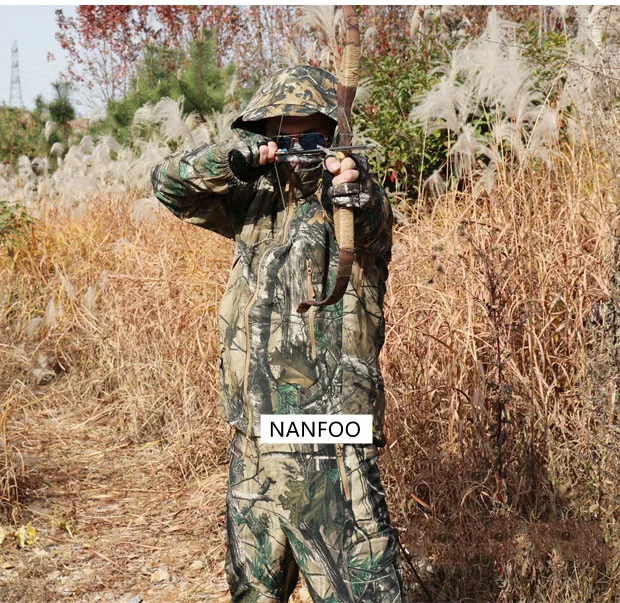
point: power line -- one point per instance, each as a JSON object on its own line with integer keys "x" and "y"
{"x": 15, "y": 96}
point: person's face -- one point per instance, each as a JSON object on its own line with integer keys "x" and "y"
{"x": 282, "y": 126}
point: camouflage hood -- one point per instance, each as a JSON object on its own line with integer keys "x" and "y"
{"x": 295, "y": 91}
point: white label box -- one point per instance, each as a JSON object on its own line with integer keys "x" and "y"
{"x": 316, "y": 429}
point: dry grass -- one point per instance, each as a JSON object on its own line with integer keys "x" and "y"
{"x": 101, "y": 307}
{"x": 502, "y": 465}
{"x": 510, "y": 447}
{"x": 11, "y": 467}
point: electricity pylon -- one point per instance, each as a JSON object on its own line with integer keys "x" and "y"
{"x": 15, "y": 96}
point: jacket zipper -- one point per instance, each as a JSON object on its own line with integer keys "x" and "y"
{"x": 312, "y": 310}
{"x": 360, "y": 275}
{"x": 343, "y": 472}
{"x": 290, "y": 189}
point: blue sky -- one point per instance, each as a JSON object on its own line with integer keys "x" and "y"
{"x": 33, "y": 27}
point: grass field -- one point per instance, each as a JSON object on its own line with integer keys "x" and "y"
{"x": 500, "y": 365}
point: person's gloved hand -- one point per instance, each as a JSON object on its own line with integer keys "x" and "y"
{"x": 252, "y": 158}
{"x": 351, "y": 184}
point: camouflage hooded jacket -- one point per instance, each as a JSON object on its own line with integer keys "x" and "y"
{"x": 273, "y": 359}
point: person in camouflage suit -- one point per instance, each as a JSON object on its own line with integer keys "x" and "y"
{"x": 316, "y": 508}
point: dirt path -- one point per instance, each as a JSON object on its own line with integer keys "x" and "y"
{"x": 110, "y": 526}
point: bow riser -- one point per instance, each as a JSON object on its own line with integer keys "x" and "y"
{"x": 343, "y": 217}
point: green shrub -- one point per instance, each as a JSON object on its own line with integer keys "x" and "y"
{"x": 202, "y": 84}
{"x": 407, "y": 157}
{"x": 170, "y": 73}
{"x": 14, "y": 219}
{"x": 446, "y": 112}
{"x": 20, "y": 134}
{"x": 61, "y": 110}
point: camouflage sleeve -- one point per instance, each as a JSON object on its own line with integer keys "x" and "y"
{"x": 200, "y": 187}
{"x": 373, "y": 224}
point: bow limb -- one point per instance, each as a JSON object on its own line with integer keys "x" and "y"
{"x": 343, "y": 217}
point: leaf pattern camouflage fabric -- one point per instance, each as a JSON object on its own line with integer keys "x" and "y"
{"x": 288, "y": 509}
{"x": 275, "y": 360}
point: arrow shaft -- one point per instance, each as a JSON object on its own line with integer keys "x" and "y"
{"x": 326, "y": 150}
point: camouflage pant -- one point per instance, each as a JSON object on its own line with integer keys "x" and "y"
{"x": 306, "y": 507}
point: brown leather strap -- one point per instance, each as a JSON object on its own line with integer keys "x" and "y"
{"x": 345, "y": 263}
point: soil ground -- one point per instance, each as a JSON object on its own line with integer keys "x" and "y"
{"x": 110, "y": 524}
